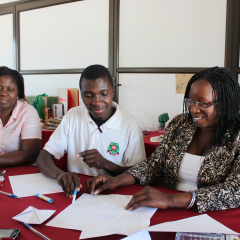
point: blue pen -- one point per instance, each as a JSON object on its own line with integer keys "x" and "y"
{"x": 35, "y": 231}
{"x": 74, "y": 196}
{"x": 9, "y": 194}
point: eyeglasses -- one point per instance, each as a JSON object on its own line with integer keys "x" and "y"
{"x": 202, "y": 106}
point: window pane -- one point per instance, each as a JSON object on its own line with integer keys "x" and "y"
{"x": 4, "y": 1}
{"x": 72, "y": 35}
{"x": 6, "y": 40}
{"x": 152, "y": 94}
{"x": 173, "y": 33}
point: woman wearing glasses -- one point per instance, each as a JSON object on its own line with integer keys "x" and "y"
{"x": 200, "y": 153}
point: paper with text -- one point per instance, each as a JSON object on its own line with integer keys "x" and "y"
{"x": 90, "y": 212}
{"x": 129, "y": 223}
{"x": 30, "y": 184}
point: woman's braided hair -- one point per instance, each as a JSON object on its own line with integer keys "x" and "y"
{"x": 226, "y": 93}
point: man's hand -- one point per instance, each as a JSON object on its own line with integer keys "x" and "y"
{"x": 69, "y": 181}
{"x": 100, "y": 183}
{"x": 93, "y": 159}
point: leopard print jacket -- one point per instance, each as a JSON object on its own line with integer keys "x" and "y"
{"x": 218, "y": 179}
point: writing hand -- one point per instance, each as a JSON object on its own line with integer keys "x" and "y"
{"x": 69, "y": 181}
{"x": 100, "y": 183}
{"x": 149, "y": 197}
{"x": 93, "y": 158}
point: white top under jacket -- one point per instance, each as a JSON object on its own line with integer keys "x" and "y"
{"x": 188, "y": 172}
{"x": 78, "y": 132}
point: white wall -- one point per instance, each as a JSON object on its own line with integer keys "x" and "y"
{"x": 152, "y": 94}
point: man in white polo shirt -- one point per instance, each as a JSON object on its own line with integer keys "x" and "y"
{"x": 98, "y": 137}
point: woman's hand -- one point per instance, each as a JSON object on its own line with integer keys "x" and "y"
{"x": 93, "y": 159}
{"x": 69, "y": 181}
{"x": 100, "y": 183}
{"x": 150, "y": 197}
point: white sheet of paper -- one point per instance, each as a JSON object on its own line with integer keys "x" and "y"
{"x": 128, "y": 224}
{"x": 141, "y": 235}
{"x": 90, "y": 213}
{"x": 30, "y": 184}
{"x": 118, "y": 228}
{"x": 32, "y": 215}
{"x": 201, "y": 224}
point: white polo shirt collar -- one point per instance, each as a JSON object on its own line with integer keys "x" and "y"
{"x": 114, "y": 122}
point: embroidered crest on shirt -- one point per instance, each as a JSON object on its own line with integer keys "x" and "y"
{"x": 113, "y": 149}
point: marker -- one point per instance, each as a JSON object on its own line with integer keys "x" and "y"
{"x": 2, "y": 176}
{"x": 74, "y": 196}
{"x": 9, "y": 194}
{"x": 44, "y": 198}
{"x": 35, "y": 231}
{"x": 1, "y": 180}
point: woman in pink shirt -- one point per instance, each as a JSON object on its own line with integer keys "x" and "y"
{"x": 20, "y": 126}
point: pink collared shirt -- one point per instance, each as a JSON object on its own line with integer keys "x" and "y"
{"x": 24, "y": 123}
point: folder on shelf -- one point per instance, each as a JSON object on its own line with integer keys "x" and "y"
{"x": 70, "y": 95}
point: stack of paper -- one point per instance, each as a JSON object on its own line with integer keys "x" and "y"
{"x": 103, "y": 215}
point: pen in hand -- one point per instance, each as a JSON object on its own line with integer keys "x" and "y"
{"x": 9, "y": 194}
{"x": 74, "y": 195}
{"x": 35, "y": 231}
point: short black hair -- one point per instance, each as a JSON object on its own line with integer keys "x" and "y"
{"x": 226, "y": 93}
{"x": 17, "y": 77}
{"x": 94, "y": 72}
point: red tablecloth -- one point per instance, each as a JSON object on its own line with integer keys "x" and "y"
{"x": 10, "y": 207}
{"x": 150, "y": 146}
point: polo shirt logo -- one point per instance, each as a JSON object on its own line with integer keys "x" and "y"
{"x": 113, "y": 149}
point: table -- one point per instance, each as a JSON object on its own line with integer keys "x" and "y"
{"x": 150, "y": 146}
{"x": 10, "y": 207}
